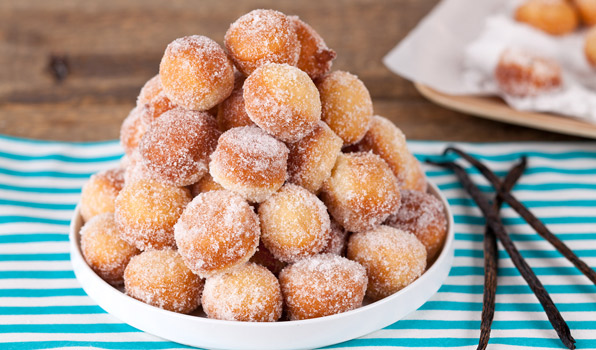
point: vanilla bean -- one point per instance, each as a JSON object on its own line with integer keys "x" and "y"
{"x": 493, "y": 219}
{"x": 491, "y": 259}
{"x": 527, "y": 215}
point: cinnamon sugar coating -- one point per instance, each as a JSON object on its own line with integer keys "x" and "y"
{"x": 315, "y": 57}
{"x": 177, "y": 146}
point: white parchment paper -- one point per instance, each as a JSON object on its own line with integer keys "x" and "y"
{"x": 456, "y": 47}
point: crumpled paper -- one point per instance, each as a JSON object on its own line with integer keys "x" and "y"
{"x": 455, "y": 50}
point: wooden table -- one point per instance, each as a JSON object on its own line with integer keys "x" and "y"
{"x": 105, "y": 50}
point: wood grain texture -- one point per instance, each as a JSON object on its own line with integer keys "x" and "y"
{"x": 111, "y": 47}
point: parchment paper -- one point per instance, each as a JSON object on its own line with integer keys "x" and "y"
{"x": 456, "y": 47}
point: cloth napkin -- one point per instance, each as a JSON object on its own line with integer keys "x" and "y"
{"x": 43, "y": 306}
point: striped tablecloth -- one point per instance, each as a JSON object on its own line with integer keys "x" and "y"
{"x": 43, "y": 306}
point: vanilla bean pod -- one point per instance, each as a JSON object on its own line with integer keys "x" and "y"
{"x": 493, "y": 219}
{"x": 527, "y": 215}
{"x": 491, "y": 258}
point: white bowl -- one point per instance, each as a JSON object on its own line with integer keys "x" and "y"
{"x": 305, "y": 334}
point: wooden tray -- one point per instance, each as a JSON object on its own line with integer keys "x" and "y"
{"x": 495, "y": 109}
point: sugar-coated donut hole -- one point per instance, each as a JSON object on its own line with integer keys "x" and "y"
{"x": 231, "y": 112}
{"x": 260, "y": 37}
{"x": 555, "y": 17}
{"x": 103, "y": 249}
{"x": 346, "y": 105}
{"x": 136, "y": 169}
{"x": 590, "y": 47}
{"x": 311, "y": 158}
{"x": 294, "y": 224}
{"x": 389, "y": 142}
{"x": 132, "y": 130}
{"x": 160, "y": 278}
{"x": 146, "y": 211}
{"x": 283, "y": 101}
{"x": 361, "y": 191}
{"x": 205, "y": 184}
{"x": 157, "y": 106}
{"x": 196, "y": 73}
{"x": 587, "y": 11}
{"x": 218, "y": 231}
{"x": 415, "y": 178}
{"x": 264, "y": 258}
{"x": 393, "y": 259}
{"x": 520, "y": 73}
{"x": 249, "y": 293}
{"x": 99, "y": 192}
{"x": 322, "y": 285}
{"x": 153, "y": 100}
{"x": 315, "y": 57}
{"x": 151, "y": 89}
{"x": 176, "y": 147}
{"x": 423, "y": 215}
{"x": 249, "y": 162}
{"x": 338, "y": 240}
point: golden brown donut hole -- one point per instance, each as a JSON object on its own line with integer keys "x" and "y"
{"x": 260, "y": 37}
{"x": 99, "y": 193}
{"x": 311, "y": 159}
{"x": 346, "y": 105}
{"x": 231, "y": 112}
{"x": 519, "y": 73}
{"x": 315, "y": 57}
{"x": 160, "y": 278}
{"x": 146, "y": 211}
{"x": 361, "y": 191}
{"x": 248, "y": 293}
{"x": 217, "y": 232}
{"x": 132, "y": 130}
{"x": 294, "y": 223}
{"x": 423, "y": 215}
{"x": 177, "y": 146}
{"x": 393, "y": 259}
{"x": 196, "y": 73}
{"x": 322, "y": 285}
{"x": 249, "y": 162}
{"x": 103, "y": 249}
{"x": 555, "y": 17}
{"x": 283, "y": 101}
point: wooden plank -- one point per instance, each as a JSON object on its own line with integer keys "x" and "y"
{"x": 112, "y": 47}
{"x": 418, "y": 118}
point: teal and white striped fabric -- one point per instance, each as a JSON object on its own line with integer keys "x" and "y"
{"x": 43, "y": 306}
